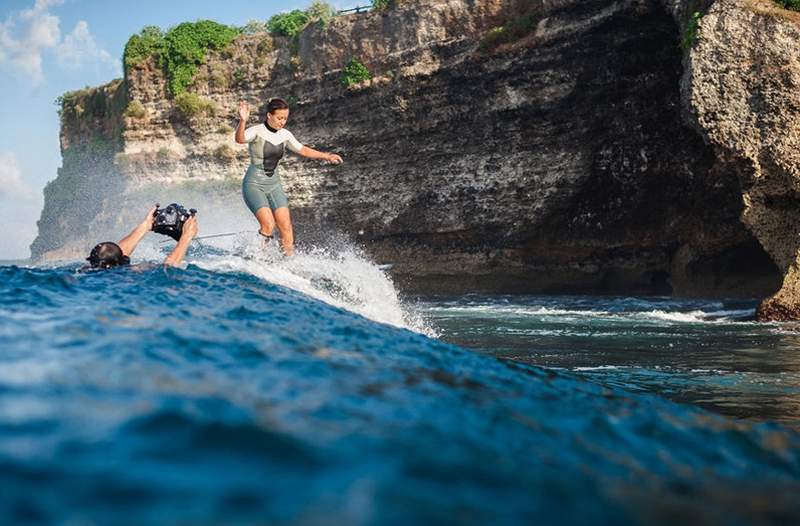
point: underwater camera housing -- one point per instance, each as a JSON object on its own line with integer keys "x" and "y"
{"x": 169, "y": 220}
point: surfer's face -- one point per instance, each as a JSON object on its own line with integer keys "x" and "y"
{"x": 277, "y": 119}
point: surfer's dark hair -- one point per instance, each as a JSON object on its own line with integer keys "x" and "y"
{"x": 276, "y": 104}
{"x": 107, "y": 255}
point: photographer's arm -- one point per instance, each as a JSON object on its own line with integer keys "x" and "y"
{"x": 128, "y": 243}
{"x": 189, "y": 231}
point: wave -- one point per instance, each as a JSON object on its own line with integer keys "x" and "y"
{"x": 645, "y": 313}
{"x": 340, "y": 275}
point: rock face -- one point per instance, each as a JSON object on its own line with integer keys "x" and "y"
{"x": 743, "y": 89}
{"x": 561, "y": 162}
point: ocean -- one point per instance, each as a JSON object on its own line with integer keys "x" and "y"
{"x": 251, "y": 389}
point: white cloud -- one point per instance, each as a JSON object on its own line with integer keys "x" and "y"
{"x": 79, "y": 48}
{"x": 11, "y": 184}
{"x": 25, "y": 35}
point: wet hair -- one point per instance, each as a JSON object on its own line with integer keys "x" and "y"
{"x": 276, "y": 104}
{"x": 107, "y": 255}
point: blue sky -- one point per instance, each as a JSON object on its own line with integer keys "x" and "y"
{"x": 48, "y": 47}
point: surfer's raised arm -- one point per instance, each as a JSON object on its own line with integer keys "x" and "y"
{"x": 244, "y": 114}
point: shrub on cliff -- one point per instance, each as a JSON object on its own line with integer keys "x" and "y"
{"x": 288, "y": 24}
{"x": 186, "y": 46}
{"x": 510, "y": 32}
{"x": 354, "y": 73}
{"x": 320, "y": 12}
{"x": 191, "y": 105}
{"x": 794, "y": 5}
{"x": 149, "y": 42}
{"x": 690, "y": 34}
{"x": 135, "y": 110}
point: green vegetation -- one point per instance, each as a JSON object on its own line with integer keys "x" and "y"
{"x": 80, "y": 106}
{"x": 690, "y": 34}
{"x": 191, "y": 105}
{"x": 224, "y": 129}
{"x": 320, "y": 12}
{"x": 180, "y": 50}
{"x": 354, "y": 73}
{"x": 186, "y": 47}
{"x": 382, "y": 4}
{"x": 512, "y": 31}
{"x": 794, "y": 5}
{"x": 149, "y": 42}
{"x": 135, "y": 110}
{"x": 288, "y": 24}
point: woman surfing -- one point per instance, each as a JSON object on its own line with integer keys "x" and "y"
{"x": 262, "y": 189}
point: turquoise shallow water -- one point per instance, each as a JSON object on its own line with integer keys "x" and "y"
{"x": 230, "y": 392}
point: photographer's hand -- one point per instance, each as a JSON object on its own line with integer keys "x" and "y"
{"x": 187, "y": 234}
{"x": 129, "y": 243}
{"x": 150, "y": 217}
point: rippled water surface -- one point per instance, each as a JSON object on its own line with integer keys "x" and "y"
{"x": 244, "y": 391}
{"x": 709, "y": 353}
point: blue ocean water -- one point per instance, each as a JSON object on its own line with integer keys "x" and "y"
{"x": 710, "y": 353}
{"x": 240, "y": 391}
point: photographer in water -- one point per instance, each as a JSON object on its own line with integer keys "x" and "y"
{"x": 173, "y": 221}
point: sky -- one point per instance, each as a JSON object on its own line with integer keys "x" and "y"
{"x": 48, "y": 47}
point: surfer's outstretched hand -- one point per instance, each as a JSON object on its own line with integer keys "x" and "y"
{"x": 244, "y": 110}
{"x": 334, "y": 158}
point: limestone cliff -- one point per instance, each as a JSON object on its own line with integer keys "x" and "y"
{"x": 559, "y": 162}
{"x": 742, "y": 87}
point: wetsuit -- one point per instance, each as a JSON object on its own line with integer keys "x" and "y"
{"x": 262, "y": 185}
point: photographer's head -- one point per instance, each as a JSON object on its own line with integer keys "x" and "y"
{"x": 107, "y": 255}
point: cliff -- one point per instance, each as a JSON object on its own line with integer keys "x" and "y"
{"x": 741, "y": 89}
{"x": 589, "y": 154}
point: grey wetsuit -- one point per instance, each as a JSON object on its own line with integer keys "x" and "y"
{"x": 262, "y": 184}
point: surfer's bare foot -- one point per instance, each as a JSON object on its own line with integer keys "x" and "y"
{"x": 266, "y": 239}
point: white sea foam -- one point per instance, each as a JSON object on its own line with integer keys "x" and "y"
{"x": 344, "y": 278}
{"x": 699, "y": 316}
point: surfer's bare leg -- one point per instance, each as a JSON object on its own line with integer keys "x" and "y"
{"x": 266, "y": 221}
{"x": 284, "y": 221}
